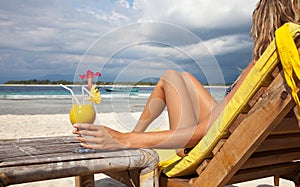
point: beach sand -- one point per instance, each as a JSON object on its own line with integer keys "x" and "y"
{"x": 40, "y": 125}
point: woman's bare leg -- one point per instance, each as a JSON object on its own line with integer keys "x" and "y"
{"x": 153, "y": 108}
{"x": 203, "y": 103}
{"x": 170, "y": 91}
{"x": 193, "y": 94}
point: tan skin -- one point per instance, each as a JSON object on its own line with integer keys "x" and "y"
{"x": 188, "y": 121}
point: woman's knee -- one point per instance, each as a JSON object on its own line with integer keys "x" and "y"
{"x": 186, "y": 74}
{"x": 166, "y": 77}
{"x": 170, "y": 75}
{"x": 174, "y": 73}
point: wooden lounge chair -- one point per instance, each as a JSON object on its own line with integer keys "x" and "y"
{"x": 258, "y": 133}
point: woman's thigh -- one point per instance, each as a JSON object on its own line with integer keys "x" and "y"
{"x": 203, "y": 102}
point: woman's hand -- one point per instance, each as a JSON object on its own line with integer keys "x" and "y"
{"x": 100, "y": 137}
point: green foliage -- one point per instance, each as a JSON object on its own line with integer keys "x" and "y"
{"x": 38, "y": 82}
{"x": 64, "y": 82}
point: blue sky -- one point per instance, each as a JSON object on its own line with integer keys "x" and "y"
{"x": 124, "y": 40}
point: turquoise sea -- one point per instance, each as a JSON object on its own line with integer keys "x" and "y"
{"x": 27, "y": 99}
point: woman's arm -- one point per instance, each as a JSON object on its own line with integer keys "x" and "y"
{"x": 104, "y": 138}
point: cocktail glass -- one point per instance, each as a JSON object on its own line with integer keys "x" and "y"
{"x": 83, "y": 109}
{"x": 83, "y": 113}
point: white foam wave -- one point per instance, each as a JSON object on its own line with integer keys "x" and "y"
{"x": 37, "y": 97}
{"x": 32, "y": 97}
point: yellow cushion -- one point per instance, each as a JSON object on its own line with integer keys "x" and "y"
{"x": 250, "y": 85}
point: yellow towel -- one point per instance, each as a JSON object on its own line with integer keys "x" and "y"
{"x": 289, "y": 58}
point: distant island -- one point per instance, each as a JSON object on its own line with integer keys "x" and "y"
{"x": 64, "y": 82}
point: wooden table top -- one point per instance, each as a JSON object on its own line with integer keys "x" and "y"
{"x": 35, "y": 159}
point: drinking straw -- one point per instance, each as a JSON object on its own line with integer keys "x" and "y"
{"x": 87, "y": 91}
{"x": 70, "y": 90}
{"x": 82, "y": 94}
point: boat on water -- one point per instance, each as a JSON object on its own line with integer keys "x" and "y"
{"x": 122, "y": 89}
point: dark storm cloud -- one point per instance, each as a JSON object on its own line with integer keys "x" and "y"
{"x": 59, "y": 37}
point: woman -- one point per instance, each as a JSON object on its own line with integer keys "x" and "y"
{"x": 191, "y": 109}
